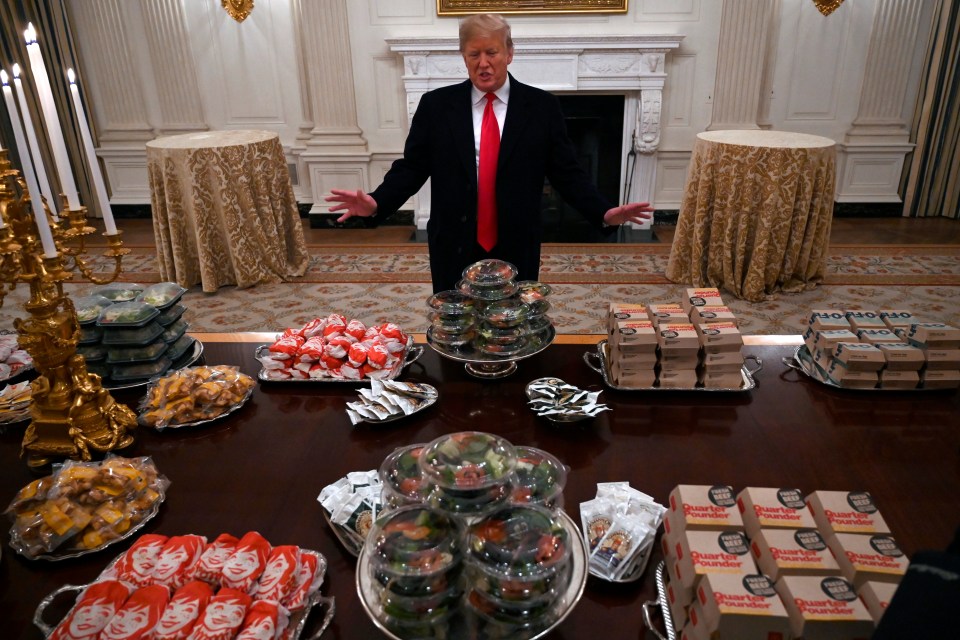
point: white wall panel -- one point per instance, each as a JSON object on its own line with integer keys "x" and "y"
{"x": 678, "y": 95}
{"x": 668, "y": 10}
{"x": 387, "y": 72}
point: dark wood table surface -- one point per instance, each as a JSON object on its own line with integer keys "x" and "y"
{"x": 262, "y": 467}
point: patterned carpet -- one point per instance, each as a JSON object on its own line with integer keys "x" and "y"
{"x": 391, "y": 282}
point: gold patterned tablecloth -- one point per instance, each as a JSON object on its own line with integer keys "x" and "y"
{"x": 756, "y": 213}
{"x": 223, "y": 209}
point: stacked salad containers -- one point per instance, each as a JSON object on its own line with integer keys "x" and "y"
{"x": 471, "y": 538}
{"x": 129, "y": 333}
{"x": 491, "y": 312}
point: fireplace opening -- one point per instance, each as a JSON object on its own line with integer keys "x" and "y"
{"x": 595, "y": 125}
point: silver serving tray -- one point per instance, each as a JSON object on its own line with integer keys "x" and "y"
{"x": 578, "y": 580}
{"x": 650, "y": 605}
{"x": 469, "y": 354}
{"x": 191, "y": 360}
{"x": 197, "y": 423}
{"x": 350, "y": 540}
{"x": 298, "y": 619}
{"x": 427, "y": 403}
{"x": 55, "y": 555}
{"x": 410, "y": 355}
{"x": 597, "y": 360}
{"x": 803, "y": 362}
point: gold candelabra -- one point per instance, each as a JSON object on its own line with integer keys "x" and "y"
{"x": 72, "y": 415}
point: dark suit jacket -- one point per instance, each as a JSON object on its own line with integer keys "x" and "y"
{"x": 534, "y": 144}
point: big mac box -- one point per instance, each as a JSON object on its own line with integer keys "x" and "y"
{"x": 824, "y": 608}
{"x": 746, "y": 607}
{"x": 876, "y": 336}
{"x": 625, "y": 312}
{"x": 701, "y": 297}
{"x": 897, "y": 318}
{"x": 661, "y": 313}
{"x": 701, "y": 315}
{"x": 700, "y": 507}
{"x": 827, "y": 319}
{"x": 862, "y": 558}
{"x": 717, "y": 337}
{"x": 773, "y": 508}
{"x": 701, "y": 552}
{"x": 857, "y": 356}
{"x": 792, "y": 552}
{"x": 901, "y": 356}
{"x": 877, "y": 596}
{"x": 934, "y": 335}
{"x": 845, "y": 512}
{"x": 864, "y": 319}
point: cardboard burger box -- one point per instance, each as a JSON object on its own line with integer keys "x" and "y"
{"x": 702, "y": 507}
{"x": 899, "y": 379}
{"x": 857, "y": 356}
{"x": 824, "y": 608}
{"x": 628, "y": 377}
{"x": 845, "y": 512}
{"x": 897, "y": 318}
{"x": 941, "y": 359}
{"x": 876, "y": 336}
{"x": 901, "y": 356}
{"x": 859, "y": 319}
{"x": 877, "y": 596}
{"x": 719, "y": 337}
{"x": 625, "y": 312}
{"x": 792, "y": 552}
{"x": 701, "y": 297}
{"x": 701, "y": 552}
{"x": 703, "y": 315}
{"x": 712, "y": 379}
{"x": 723, "y": 362}
{"x": 827, "y": 339}
{"x": 934, "y": 334}
{"x": 846, "y": 378}
{"x": 662, "y": 313}
{"x": 675, "y": 592}
{"x": 746, "y": 607}
{"x": 863, "y": 558}
{"x": 939, "y": 379}
{"x": 677, "y": 378}
{"x": 828, "y": 319}
{"x": 773, "y": 508}
{"x": 634, "y": 336}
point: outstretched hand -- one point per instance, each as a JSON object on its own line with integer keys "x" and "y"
{"x": 356, "y": 203}
{"x": 630, "y": 212}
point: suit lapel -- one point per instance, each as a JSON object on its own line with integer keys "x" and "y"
{"x": 519, "y": 111}
{"x": 460, "y": 115}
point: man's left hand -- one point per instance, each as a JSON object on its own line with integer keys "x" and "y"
{"x": 630, "y": 212}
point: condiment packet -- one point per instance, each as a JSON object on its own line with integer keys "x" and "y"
{"x": 619, "y": 547}
{"x": 554, "y": 397}
{"x": 389, "y": 399}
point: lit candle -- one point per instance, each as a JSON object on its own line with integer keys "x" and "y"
{"x": 43, "y": 226}
{"x": 27, "y": 119}
{"x": 99, "y": 188}
{"x": 51, "y": 118}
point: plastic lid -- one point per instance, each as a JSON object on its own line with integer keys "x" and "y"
{"x": 451, "y": 302}
{"x": 127, "y": 314}
{"x": 523, "y": 541}
{"x": 451, "y": 323}
{"x": 162, "y": 294}
{"x": 490, "y": 273}
{"x": 118, "y": 291}
{"x": 505, "y": 313}
{"x": 400, "y": 473}
{"x": 468, "y": 460}
{"x": 531, "y": 290}
{"x": 498, "y": 292}
{"x": 123, "y": 355}
{"x": 140, "y": 370}
{"x": 89, "y": 307}
{"x": 540, "y": 477}
{"x": 132, "y": 336}
{"x": 415, "y": 540}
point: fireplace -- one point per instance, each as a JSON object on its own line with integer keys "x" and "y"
{"x": 629, "y": 69}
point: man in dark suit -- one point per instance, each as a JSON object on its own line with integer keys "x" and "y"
{"x": 445, "y": 144}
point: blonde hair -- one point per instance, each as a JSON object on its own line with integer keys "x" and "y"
{"x": 485, "y": 24}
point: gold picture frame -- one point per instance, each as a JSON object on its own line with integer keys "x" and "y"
{"x": 465, "y": 7}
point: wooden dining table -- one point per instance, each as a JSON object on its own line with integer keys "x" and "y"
{"x": 262, "y": 467}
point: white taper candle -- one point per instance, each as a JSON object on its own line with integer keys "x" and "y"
{"x": 99, "y": 188}
{"x": 38, "y": 167}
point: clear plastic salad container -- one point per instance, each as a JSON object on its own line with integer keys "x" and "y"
{"x": 451, "y": 302}
{"x": 125, "y": 355}
{"x": 89, "y": 308}
{"x": 139, "y": 370}
{"x": 127, "y": 314}
{"x": 118, "y": 291}
{"x": 401, "y": 479}
{"x": 468, "y": 461}
{"x": 539, "y": 478}
{"x": 162, "y": 295}
{"x": 132, "y": 336}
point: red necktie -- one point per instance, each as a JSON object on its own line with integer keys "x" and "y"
{"x": 487, "y": 177}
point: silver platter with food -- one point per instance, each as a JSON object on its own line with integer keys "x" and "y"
{"x": 300, "y": 621}
{"x": 599, "y": 361}
{"x": 463, "y": 622}
{"x": 13, "y": 360}
{"x": 803, "y": 362}
{"x": 15, "y": 401}
{"x": 391, "y": 400}
{"x": 483, "y": 364}
{"x": 194, "y": 396}
{"x": 187, "y": 360}
{"x": 410, "y": 354}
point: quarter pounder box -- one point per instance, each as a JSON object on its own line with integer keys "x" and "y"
{"x": 720, "y": 379}
{"x": 702, "y": 315}
{"x": 862, "y": 558}
{"x": 634, "y": 335}
{"x": 773, "y": 508}
{"x": 722, "y": 362}
{"x": 638, "y": 378}
{"x": 702, "y": 507}
{"x": 792, "y": 552}
{"x": 701, "y": 297}
{"x": 824, "y": 608}
{"x": 901, "y": 356}
{"x": 877, "y": 596}
{"x": 625, "y": 312}
{"x": 677, "y": 335}
{"x": 845, "y": 512}
{"x": 717, "y": 337}
{"x": 746, "y": 607}
{"x": 677, "y": 378}
{"x": 701, "y": 552}
{"x": 666, "y": 313}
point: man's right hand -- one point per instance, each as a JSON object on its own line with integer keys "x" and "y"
{"x": 356, "y": 203}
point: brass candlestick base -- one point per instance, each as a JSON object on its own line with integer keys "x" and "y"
{"x": 73, "y": 416}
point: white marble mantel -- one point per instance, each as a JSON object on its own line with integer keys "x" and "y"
{"x": 630, "y": 65}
